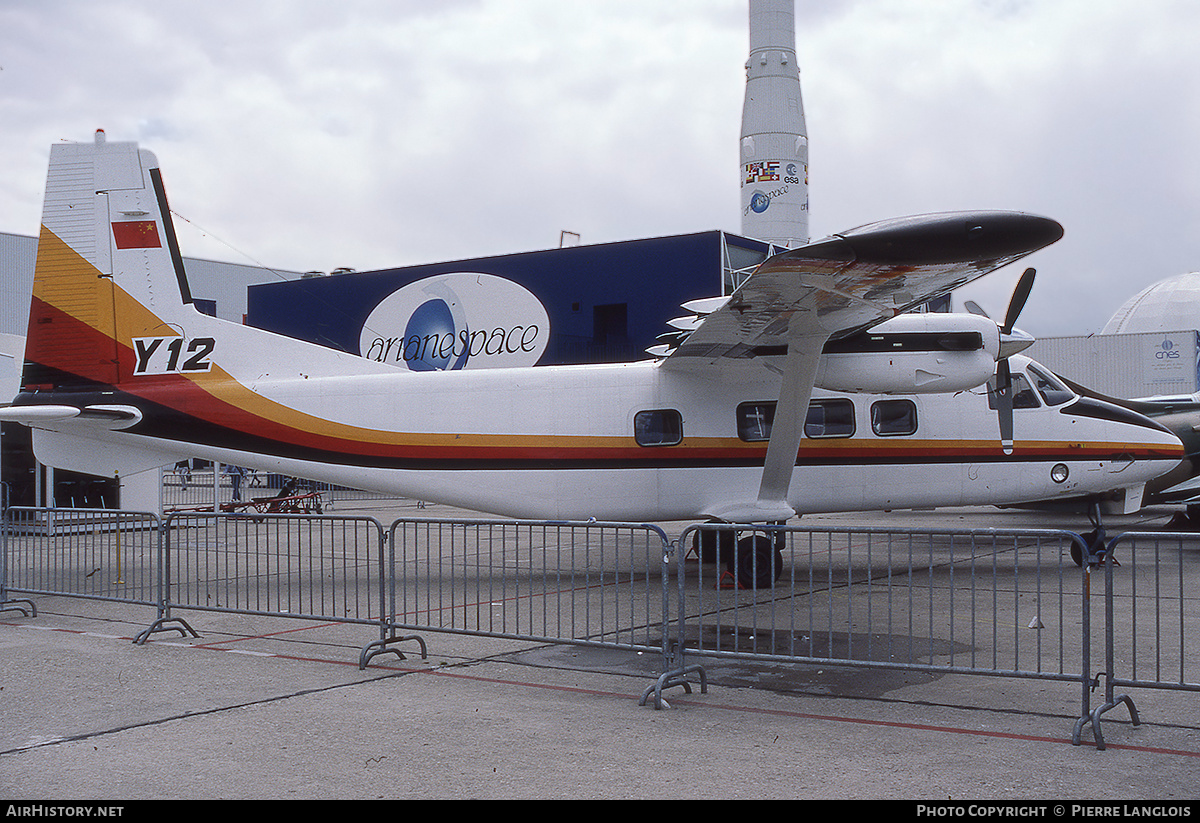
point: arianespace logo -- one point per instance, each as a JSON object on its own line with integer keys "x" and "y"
{"x": 459, "y": 320}
{"x": 759, "y": 202}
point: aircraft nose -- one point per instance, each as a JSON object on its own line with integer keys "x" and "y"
{"x": 1147, "y": 442}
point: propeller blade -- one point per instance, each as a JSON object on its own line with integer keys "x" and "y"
{"x": 1004, "y": 405}
{"x": 1010, "y": 343}
{"x": 974, "y": 308}
{"x": 1020, "y": 295}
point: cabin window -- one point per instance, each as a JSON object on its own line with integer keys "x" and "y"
{"x": 826, "y": 418}
{"x": 890, "y": 418}
{"x": 1023, "y": 396}
{"x": 1051, "y": 390}
{"x": 754, "y": 420}
{"x": 659, "y": 427}
{"x": 830, "y": 418}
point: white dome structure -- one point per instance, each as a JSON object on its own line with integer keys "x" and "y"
{"x": 1169, "y": 305}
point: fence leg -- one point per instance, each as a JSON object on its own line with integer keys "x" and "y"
{"x": 1094, "y": 719}
{"x": 676, "y": 676}
{"x": 160, "y": 625}
{"x": 15, "y": 606}
{"x": 671, "y": 679}
{"x": 1112, "y": 700}
{"x": 382, "y": 646}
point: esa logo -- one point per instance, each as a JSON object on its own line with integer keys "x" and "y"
{"x": 172, "y": 355}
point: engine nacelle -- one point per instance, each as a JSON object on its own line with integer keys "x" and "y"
{"x": 913, "y": 354}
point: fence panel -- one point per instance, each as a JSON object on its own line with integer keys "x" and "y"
{"x": 580, "y": 583}
{"x": 304, "y": 566}
{"x": 100, "y": 554}
{"x": 1002, "y": 603}
{"x": 1150, "y": 616}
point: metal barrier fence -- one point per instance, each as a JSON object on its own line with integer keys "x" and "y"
{"x": 1149, "y": 617}
{"x": 984, "y": 602}
{"x": 303, "y": 566}
{"x": 598, "y": 584}
{"x": 100, "y": 554}
{"x": 1000, "y": 603}
{"x": 187, "y": 489}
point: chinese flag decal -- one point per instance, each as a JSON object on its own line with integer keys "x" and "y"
{"x": 137, "y": 234}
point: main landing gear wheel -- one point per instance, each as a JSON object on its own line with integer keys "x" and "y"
{"x": 757, "y": 563}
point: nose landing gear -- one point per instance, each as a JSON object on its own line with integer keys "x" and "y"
{"x": 1095, "y": 540}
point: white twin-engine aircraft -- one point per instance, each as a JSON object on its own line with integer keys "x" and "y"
{"x": 124, "y": 375}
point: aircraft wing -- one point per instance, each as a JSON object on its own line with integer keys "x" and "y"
{"x": 795, "y": 302}
{"x": 853, "y": 280}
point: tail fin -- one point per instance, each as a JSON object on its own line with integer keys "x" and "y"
{"x": 123, "y": 373}
{"x": 106, "y": 255}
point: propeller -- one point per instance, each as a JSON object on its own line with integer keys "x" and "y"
{"x": 1012, "y": 340}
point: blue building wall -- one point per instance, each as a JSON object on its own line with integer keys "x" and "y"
{"x": 606, "y": 302}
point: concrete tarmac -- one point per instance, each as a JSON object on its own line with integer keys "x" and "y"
{"x": 274, "y": 708}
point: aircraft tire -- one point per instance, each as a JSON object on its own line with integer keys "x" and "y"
{"x": 713, "y": 546}
{"x": 758, "y": 562}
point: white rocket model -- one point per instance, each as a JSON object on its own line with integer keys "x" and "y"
{"x": 774, "y": 146}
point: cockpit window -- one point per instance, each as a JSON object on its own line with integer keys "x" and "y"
{"x": 1051, "y": 389}
{"x": 1023, "y": 396}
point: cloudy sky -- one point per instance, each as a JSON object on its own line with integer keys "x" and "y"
{"x": 300, "y": 134}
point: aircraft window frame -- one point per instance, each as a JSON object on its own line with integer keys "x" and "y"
{"x": 883, "y": 426}
{"x": 1024, "y": 397}
{"x": 1054, "y": 393}
{"x": 756, "y": 417}
{"x": 843, "y": 427}
{"x": 658, "y": 427}
{"x": 754, "y": 420}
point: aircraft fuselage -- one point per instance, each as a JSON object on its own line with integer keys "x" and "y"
{"x": 624, "y": 441}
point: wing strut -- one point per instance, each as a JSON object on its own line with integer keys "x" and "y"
{"x": 799, "y": 372}
{"x": 787, "y": 428}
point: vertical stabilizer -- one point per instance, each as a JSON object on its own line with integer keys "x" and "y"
{"x": 774, "y": 141}
{"x": 106, "y": 256}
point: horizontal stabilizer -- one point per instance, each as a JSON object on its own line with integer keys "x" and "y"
{"x": 99, "y": 416}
